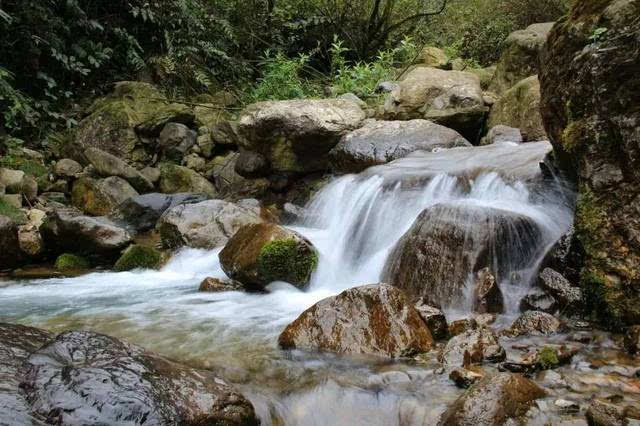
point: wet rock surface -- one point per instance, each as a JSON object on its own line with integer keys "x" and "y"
{"x": 487, "y": 296}
{"x": 479, "y": 345}
{"x": 215, "y": 285}
{"x": 569, "y": 298}
{"x": 375, "y": 319}
{"x": 535, "y": 322}
{"x": 434, "y": 318}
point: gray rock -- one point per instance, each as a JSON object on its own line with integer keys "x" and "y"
{"x": 251, "y": 164}
{"x": 379, "y": 142}
{"x": 151, "y": 173}
{"x": 177, "y": 139}
{"x": 386, "y": 87}
{"x": 601, "y": 413}
{"x": 207, "y": 225}
{"x": 11, "y": 179}
{"x": 99, "y": 196}
{"x": 374, "y": 319}
{"x": 175, "y": 179}
{"x": 535, "y": 322}
{"x": 501, "y": 133}
{"x": 107, "y": 165}
{"x": 568, "y": 297}
{"x": 67, "y": 168}
{"x": 538, "y": 300}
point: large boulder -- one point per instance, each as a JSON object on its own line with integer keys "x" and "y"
{"x": 120, "y": 122}
{"x": 205, "y": 225}
{"x": 295, "y": 136}
{"x": 590, "y": 99}
{"x": 67, "y": 230}
{"x": 82, "y": 377}
{"x": 17, "y": 342}
{"x": 449, "y": 242}
{"x": 378, "y": 142}
{"x": 108, "y": 165}
{"x": 375, "y": 319}
{"x": 141, "y": 213}
{"x": 10, "y": 254}
{"x": 98, "y": 197}
{"x": 520, "y": 56}
{"x": 174, "y": 179}
{"x": 450, "y": 98}
{"x": 261, "y": 253}
{"x": 493, "y": 401}
{"x": 519, "y": 107}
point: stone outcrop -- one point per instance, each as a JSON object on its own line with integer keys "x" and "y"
{"x": 535, "y": 322}
{"x": 258, "y": 254}
{"x": 295, "y": 136}
{"x": 375, "y": 319}
{"x": 590, "y": 94}
{"x": 449, "y": 242}
{"x": 378, "y": 142}
{"x": 205, "y": 225}
{"x": 450, "y": 98}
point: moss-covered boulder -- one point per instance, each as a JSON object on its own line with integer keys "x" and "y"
{"x": 175, "y": 179}
{"x": 138, "y": 256}
{"x": 590, "y": 105}
{"x": 519, "y": 58}
{"x": 259, "y": 254}
{"x": 519, "y": 107}
{"x": 71, "y": 262}
{"x": 117, "y": 122}
{"x": 98, "y": 197}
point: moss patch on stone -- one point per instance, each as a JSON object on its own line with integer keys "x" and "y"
{"x": 574, "y": 136}
{"x": 12, "y": 212}
{"x": 70, "y": 262}
{"x": 138, "y": 256}
{"x": 548, "y": 358}
{"x": 284, "y": 260}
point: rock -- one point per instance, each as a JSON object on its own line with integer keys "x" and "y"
{"x": 99, "y": 196}
{"x": 215, "y": 285}
{"x": 295, "y": 136}
{"x": 67, "y": 168}
{"x": 433, "y": 57}
{"x": 175, "y": 179}
{"x": 10, "y": 254}
{"x": 485, "y": 75}
{"x": 632, "y": 339}
{"x": 261, "y": 253}
{"x": 462, "y": 325}
{"x": 450, "y": 98}
{"x": 538, "y": 300}
{"x": 29, "y": 188}
{"x": 17, "y": 342}
{"x": 83, "y": 377}
{"x": 487, "y": 297}
{"x": 224, "y": 173}
{"x": 519, "y": 58}
{"x": 70, "y": 262}
{"x": 152, "y": 174}
{"x": 379, "y": 142}
{"x": 30, "y": 240}
{"x": 13, "y": 200}
{"x": 450, "y": 241}
{"x": 566, "y": 256}
{"x": 11, "y": 179}
{"x": 354, "y": 98}
{"x": 464, "y": 378}
{"x": 251, "y": 164}
{"x": 206, "y": 144}
{"x": 534, "y": 322}
{"x": 386, "y": 87}
{"x": 481, "y": 344}
{"x": 195, "y": 163}
{"x": 107, "y": 165}
{"x": 138, "y": 256}
{"x": 177, "y": 139}
{"x": 580, "y": 66}
{"x": 206, "y": 225}
{"x": 519, "y": 107}
{"x": 493, "y": 401}
{"x": 500, "y": 134}
{"x": 374, "y": 319}
{"x": 292, "y": 213}
{"x": 118, "y": 122}
{"x": 434, "y": 318}
{"x": 568, "y": 297}
{"x": 140, "y": 213}
{"x": 67, "y": 230}
{"x": 601, "y": 413}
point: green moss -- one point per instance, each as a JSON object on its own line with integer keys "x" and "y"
{"x": 12, "y": 212}
{"x": 548, "y": 358}
{"x": 574, "y": 136}
{"x": 590, "y": 220}
{"x": 604, "y": 304}
{"x": 287, "y": 260}
{"x": 138, "y": 256}
{"x": 69, "y": 262}
{"x": 30, "y": 167}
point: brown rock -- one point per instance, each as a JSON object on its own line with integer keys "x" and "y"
{"x": 215, "y": 285}
{"x": 487, "y": 297}
{"x": 481, "y": 344}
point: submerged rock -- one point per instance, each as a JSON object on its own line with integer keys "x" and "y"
{"x": 379, "y": 142}
{"x": 449, "y": 241}
{"x": 261, "y": 253}
{"x": 591, "y": 53}
{"x": 535, "y": 322}
{"x": 295, "y": 136}
{"x": 375, "y": 319}
{"x": 83, "y": 378}
{"x": 215, "y": 285}
{"x": 493, "y": 401}
{"x": 205, "y": 225}
{"x": 481, "y": 344}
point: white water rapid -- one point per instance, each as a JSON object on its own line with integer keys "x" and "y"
{"x": 354, "y": 222}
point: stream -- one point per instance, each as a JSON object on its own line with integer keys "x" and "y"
{"x": 354, "y": 223}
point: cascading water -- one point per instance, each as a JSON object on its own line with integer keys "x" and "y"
{"x": 354, "y": 222}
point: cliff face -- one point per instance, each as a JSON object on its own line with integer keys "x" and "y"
{"x": 590, "y": 84}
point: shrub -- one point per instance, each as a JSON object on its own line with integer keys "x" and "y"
{"x": 282, "y": 78}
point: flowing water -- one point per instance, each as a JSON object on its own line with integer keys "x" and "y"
{"x": 354, "y": 223}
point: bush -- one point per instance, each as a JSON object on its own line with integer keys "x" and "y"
{"x": 282, "y": 78}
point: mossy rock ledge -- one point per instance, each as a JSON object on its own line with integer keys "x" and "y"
{"x": 259, "y": 254}
{"x": 138, "y": 257}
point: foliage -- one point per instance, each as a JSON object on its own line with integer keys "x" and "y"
{"x": 12, "y": 212}
{"x": 548, "y": 357}
{"x": 282, "y": 78}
